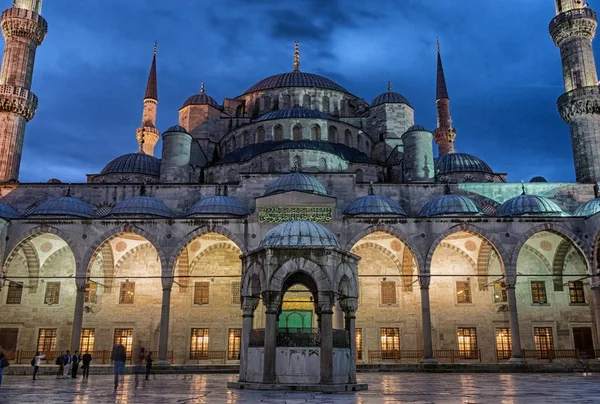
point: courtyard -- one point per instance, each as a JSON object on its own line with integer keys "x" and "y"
{"x": 383, "y": 388}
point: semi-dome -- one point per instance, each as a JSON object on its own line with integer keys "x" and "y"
{"x": 296, "y": 182}
{"x": 450, "y": 204}
{"x": 374, "y": 205}
{"x": 299, "y": 233}
{"x": 176, "y": 128}
{"x": 294, "y": 113}
{"x": 295, "y": 79}
{"x": 218, "y": 205}
{"x": 530, "y": 205}
{"x": 141, "y": 205}
{"x": 201, "y": 99}
{"x": 64, "y": 206}
{"x": 133, "y": 163}
{"x": 538, "y": 179}
{"x": 8, "y": 212}
{"x": 589, "y": 208}
{"x": 390, "y": 97}
{"x": 460, "y": 162}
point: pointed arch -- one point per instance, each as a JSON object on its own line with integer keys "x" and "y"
{"x": 209, "y": 249}
{"x": 409, "y": 263}
{"x": 183, "y": 270}
{"x": 539, "y": 256}
{"x": 558, "y": 264}
{"x": 301, "y": 265}
{"x": 108, "y": 266}
{"x": 14, "y": 243}
{"x": 33, "y": 264}
{"x": 369, "y": 244}
{"x": 483, "y": 264}
{"x": 56, "y": 256}
{"x": 131, "y": 252}
{"x": 460, "y": 252}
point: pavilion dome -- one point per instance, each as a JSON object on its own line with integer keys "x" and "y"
{"x": 589, "y": 208}
{"x": 460, "y": 162}
{"x": 295, "y": 79}
{"x": 450, "y": 204}
{"x": 64, "y": 206}
{"x": 201, "y": 99}
{"x": 530, "y": 205}
{"x": 374, "y": 205}
{"x": 8, "y": 212}
{"x": 294, "y": 113}
{"x": 296, "y": 182}
{"x": 299, "y": 233}
{"x": 142, "y": 205}
{"x": 389, "y": 97}
{"x": 218, "y": 205}
{"x": 133, "y": 163}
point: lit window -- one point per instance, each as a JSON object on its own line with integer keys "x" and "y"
{"x": 544, "y": 342}
{"x": 201, "y": 292}
{"x": 46, "y": 340}
{"x": 235, "y": 293}
{"x": 390, "y": 342}
{"x": 124, "y": 336}
{"x": 15, "y": 291}
{"x": 503, "y": 343}
{"x": 467, "y": 343}
{"x": 463, "y": 292}
{"x": 233, "y": 343}
{"x": 86, "y": 342}
{"x": 199, "y": 343}
{"x": 90, "y": 292}
{"x": 500, "y": 293}
{"x": 359, "y": 343}
{"x": 538, "y": 292}
{"x": 576, "y": 294}
{"x": 52, "y": 295}
{"x": 127, "y": 293}
{"x": 388, "y": 292}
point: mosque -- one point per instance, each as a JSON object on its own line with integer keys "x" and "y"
{"x": 298, "y": 210}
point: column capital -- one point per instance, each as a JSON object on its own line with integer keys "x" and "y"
{"x": 424, "y": 281}
{"x": 249, "y": 304}
{"x": 271, "y": 301}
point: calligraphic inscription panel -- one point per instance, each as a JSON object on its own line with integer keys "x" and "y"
{"x": 280, "y": 214}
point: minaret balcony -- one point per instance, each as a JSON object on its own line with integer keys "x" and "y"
{"x": 24, "y": 23}
{"x": 580, "y": 22}
{"x": 18, "y": 100}
{"x": 579, "y": 103}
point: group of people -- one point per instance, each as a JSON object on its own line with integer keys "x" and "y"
{"x": 68, "y": 365}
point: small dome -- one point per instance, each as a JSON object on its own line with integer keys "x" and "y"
{"x": 296, "y": 182}
{"x": 295, "y": 79}
{"x": 538, "y": 179}
{"x": 8, "y": 212}
{"x": 176, "y": 128}
{"x": 589, "y": 208}
{"x": 201, "y": 99}
{"x": 133, "y": 163}
{"x": 54, "y": 181}
{"x": 218, "y": 205}
{"x": 141, "y": 205}
{"x": 64, "y": 206}
{"x": 460, "y": 162}
{"x": 450, "y": 204}
{"x": 374, "y": 205}
{"x": 299, "y": 233}
{"x": 417, "y": 128}
{"x": 530, "y": 205}
{"x": 389, "y": 97}
{"x": 293, "y": 113}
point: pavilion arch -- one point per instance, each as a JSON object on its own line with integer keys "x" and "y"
{"x": 308, "y": 267}
{"x": 345, "y": 278}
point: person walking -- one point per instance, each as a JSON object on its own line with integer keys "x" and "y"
{"x": 36, "y": 361}
{"x": 3, "y": 363}
{"x": 67, "y": 364}
{"x": 138, "y": 363}
{"x": 75, "y": 364}
{"x": 86, "y": 359}
{"x": 149, "y": 361}
{"x": 60, "y": 361}
{"x": 119, "y": 356}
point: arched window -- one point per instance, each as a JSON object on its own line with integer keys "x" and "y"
{"x": 359, "y": 175}
{"x": 332, "y": 134}
{"x": 278, "y": 133}
{"x": 322, "y": 164}
{"x": 297, "y": 132}
{"x": 287, "y": 101}
{"x": 326, "y": 104}
{"x": 359, "y": 142}
{"x": 245, "y": 138}
{"x": 239, "y": 111}
{"x": 296, "y": 163}
{"x": 315, "y": 133}
{"x": 306, "y": 101}
{"x": 348, "y": 138}
{"x": 271, "y": 165}
{"x": 260, "y": 135}
{"x": 267, "y": 102}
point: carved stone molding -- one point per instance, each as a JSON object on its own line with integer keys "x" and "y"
{"x": 579, "y": 102}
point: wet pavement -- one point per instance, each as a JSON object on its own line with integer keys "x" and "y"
{"x": 383, "y": 388}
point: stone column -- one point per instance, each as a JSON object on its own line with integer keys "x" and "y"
{"x": 513, "y": 318}
{"x": 78, "y": 316}
{"x": 338, "y": 316}
{"x": 596, "y": 297}
{"x": 165, "y": 311}
{"x": 426, "y": 320}
{"x": 248, "y": 306}
{"x": 350, "y": 312}
{"x": 326, "y": 329}
{"x": 271, "y": 302}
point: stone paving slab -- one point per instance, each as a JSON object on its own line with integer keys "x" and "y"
{"x": 383, "y": 389}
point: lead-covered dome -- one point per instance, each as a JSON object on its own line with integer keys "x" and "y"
{"x": 64, "y": 206}
{"x": 299, "y": 233}
{"x": 450, "y": 204}
{"x": 142, "y": 205}
{"x": 133, "y": 163}
{"x": 295, "y": 79}
{"x": 460, "y": 162}
{"x": 201, "y": 99}
{"x": 8, "y": 212}
{"x": 176, "y": 128}
{"x": 389, "y": 97}
{"x": 296, "y": 182}
{"x": 294, "y": 113}
{"x": 218, "y": 205}
{"x": 374, "y": 205}
{"x": 589, "y": 208}
{"x": 530, "y": 205}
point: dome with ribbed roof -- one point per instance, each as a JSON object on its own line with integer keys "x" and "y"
{"x": 589, "y": 208}
{"x": 389, "y": 97}
{"x": 64, "y": 206}
{"x": 460, "y": 162}
{"x": 530, "y": 205}
{"x": 374, "y": 205}
{"x": 450, "y": 204}
{"x": 292, "y": 113}
{"x": 299, "y": 233}
{"x": 295, "y": 79}
{"x": 201, "y": 99}
{"x": 296, "y": 182}
{"x": 8, "y": 212}
{"x": 133, "y": 163}
{"x": 142, "y": 205}
{"x": 218, "y": 205}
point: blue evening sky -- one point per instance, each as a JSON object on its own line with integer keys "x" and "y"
{"x": 503, "y": 71}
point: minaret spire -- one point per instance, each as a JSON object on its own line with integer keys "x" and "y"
{"x": 147, "y": 135}
{"x": 444, "y": 134}
{"x": 297, "y": 57}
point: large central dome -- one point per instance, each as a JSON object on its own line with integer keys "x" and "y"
{"x": 295, "y": 79}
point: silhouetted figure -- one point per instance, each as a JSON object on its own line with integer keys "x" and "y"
{"x": 60, "y": 361}
{"x": 86, "y": 359}
{"x": 75, "y": 364}
{"x": 149, "y": 362}
{"x": 119, "y": 357}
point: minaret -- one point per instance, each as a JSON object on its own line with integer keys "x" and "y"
{"x": 444, "y": 134}
{"x": 573, "y": 30}
{"x": 147, "y": 135}
{"x": 24, "y": 30}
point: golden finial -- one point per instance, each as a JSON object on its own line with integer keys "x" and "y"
{"x": 437, "y": 40}
{"x": 155, "y": 46}
{"x": 202, "y": 88}
{"x": 297, "y": 57}
{"x": 389, "y": 86}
